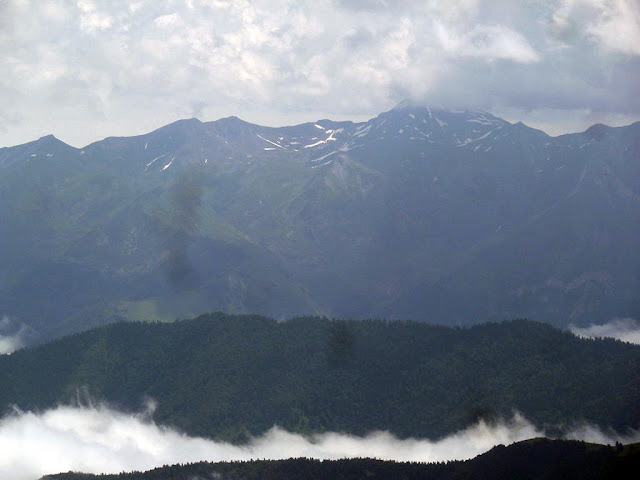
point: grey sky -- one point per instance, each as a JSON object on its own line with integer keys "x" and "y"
{"x": 86, "y": 69}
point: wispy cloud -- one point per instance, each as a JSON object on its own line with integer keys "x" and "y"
{"x": 102, "y": 440}
{"x": 12, "y": 335}
{"x": 612, "y": 25}
{"x": 491, "y": 42}
{"x": 625, "y": 329}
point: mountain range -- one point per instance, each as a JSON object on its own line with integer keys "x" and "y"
{"x": 451, "y": 217}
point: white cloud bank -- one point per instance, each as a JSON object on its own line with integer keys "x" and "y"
{"x": 12, "y": 337}
{"x": 101, "y": 440}
{"x": 83, "y": 70}
{"x": 9, "y": 344}
{"x": 625, "y": 329}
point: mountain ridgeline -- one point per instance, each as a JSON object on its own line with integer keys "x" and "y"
{"x": 232, "y": 377}
{"x": 435, "y": 215}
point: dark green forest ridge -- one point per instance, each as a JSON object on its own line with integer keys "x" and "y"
{"x": 531, "y": 459}
{"x": 228, "y": 377}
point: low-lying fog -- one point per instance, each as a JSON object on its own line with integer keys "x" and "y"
{"x": 12, "y": 336}
{"x": 625, "y": 329}
{"x": 102, "y": 440}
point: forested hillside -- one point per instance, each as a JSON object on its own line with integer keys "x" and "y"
{"x": 533, "y": 459}
{"x": 232, "y": 376}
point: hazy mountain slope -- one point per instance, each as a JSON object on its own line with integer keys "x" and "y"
{"x": 452, "y": 217}
{"x": 531, "y": 459}
{"x": 229, "y": 376}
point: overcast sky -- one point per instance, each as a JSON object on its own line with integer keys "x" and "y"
{"x": 87, "y": 69}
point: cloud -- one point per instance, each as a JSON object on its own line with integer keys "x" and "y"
{"x": 612, "y": 25}
{"x": 9, "y": 344}
{"x": 491, "y": 42}
{"x": 13, "y": 336}
{"x": 91, "y": 19}
{"x": 84, "y": 70}
{"x": 625, "y": 329}
{"x": 102, "y": 440}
